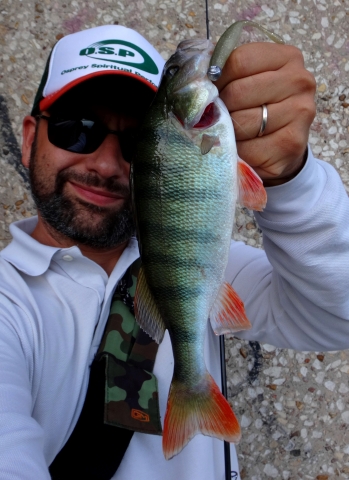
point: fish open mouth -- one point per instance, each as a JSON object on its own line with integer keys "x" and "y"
{"x": 209, "y": 117}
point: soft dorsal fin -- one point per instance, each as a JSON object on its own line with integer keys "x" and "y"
{"x": 228, "y": 312}
{"x": 252, "y": 193}
{"x": 146, "y": 311}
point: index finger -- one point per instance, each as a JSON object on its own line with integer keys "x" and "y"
{"x": 254, "y": 58}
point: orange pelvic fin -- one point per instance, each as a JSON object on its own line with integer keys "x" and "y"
{"x": 228, "y": 312}
{"x": 200, "y": 410}
{"x": 252, "y": 194}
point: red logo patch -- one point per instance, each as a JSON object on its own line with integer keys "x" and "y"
{"x": 139, "y": 415}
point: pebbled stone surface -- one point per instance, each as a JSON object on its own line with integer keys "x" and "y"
{"x": 293, "y": 406}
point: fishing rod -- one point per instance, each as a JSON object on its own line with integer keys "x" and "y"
{"x": 227, "y": 459}
{"x": 207, "y": 21}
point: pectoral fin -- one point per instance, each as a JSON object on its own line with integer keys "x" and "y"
{"x": 252, "y": 194}
{"x": 228, "y": 312}
{"x": 208, "y": 142}
{"x": 146, "y": 311}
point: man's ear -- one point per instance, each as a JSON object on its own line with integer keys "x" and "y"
{"x": 29, "y": 128}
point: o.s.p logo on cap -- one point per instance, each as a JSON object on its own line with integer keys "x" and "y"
{"x": 124, "y": 53}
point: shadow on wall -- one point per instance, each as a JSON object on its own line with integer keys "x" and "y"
{"x": 9, "y": 148}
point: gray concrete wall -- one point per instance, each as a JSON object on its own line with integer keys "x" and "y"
{"x": 293, "y": 406}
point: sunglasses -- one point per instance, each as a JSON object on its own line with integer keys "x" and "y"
{"x": 86, "y": 136}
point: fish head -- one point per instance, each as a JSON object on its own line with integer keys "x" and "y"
{"x": 188, "y": 92}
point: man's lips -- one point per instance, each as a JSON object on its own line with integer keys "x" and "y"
{"x": 95, "y": 195}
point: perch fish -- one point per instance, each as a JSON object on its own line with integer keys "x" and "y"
{"x": 186, "y": 177}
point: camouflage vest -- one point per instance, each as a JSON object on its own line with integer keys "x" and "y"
{"x": 131, "y": 393}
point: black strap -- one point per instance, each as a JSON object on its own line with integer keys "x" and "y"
{"x": 94, "y": 450}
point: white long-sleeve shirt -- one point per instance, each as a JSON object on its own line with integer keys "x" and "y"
{"x": 54, "y": 304}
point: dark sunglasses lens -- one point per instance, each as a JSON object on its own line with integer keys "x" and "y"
{"x": 127, "y": 142}
{"x": 86, "y": 136}
{"x": 78, "y": 136}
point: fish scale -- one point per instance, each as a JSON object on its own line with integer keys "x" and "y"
{"x": 184, "y": 183}
{"x": 185, "y": 232}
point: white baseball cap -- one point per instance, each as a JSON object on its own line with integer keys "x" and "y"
{"x": 105, "y": 50}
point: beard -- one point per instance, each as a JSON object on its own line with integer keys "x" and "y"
{"x": 83, "y": 222}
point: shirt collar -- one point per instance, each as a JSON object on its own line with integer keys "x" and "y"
{"x": 25, "y": 253}
{"x": 33, "y": 258}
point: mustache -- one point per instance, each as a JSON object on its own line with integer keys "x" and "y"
{"x": 111, "y": 185}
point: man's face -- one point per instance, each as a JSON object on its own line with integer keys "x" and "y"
{"x": 85, "y": 197}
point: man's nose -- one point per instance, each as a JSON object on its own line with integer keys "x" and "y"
{"x": 108, "y": 160}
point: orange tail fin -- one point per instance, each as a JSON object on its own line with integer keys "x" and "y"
{"x": 200, "y": 410}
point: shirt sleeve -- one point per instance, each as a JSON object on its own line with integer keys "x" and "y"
{"x": 296, "y": 292}
{"x": 21, "y": 437}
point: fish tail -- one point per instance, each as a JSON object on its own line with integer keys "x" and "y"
{"x": 203, "y": 410}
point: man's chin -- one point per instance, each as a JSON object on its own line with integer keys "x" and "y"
{"x": 88, "y": 224}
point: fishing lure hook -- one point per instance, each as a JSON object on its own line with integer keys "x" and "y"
{"x": 229, "y": 41}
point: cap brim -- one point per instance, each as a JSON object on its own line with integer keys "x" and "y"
{"x": 47, "y": 102}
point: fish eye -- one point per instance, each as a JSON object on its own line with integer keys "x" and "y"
{"x": 172, "y": 70}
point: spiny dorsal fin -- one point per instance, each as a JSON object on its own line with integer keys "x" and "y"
{"x": 146, "y": 310}
{"x": 252, "y": 194}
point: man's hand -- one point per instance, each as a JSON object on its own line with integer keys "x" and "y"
{"x": 271, "y": 74}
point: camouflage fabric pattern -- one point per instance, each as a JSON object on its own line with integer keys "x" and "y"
{"x": 131, "y": 393}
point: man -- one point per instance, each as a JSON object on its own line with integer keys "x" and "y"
{"x": 58, "y": 276}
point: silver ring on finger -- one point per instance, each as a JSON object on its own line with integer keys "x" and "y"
{"x": 264, "y": 120}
